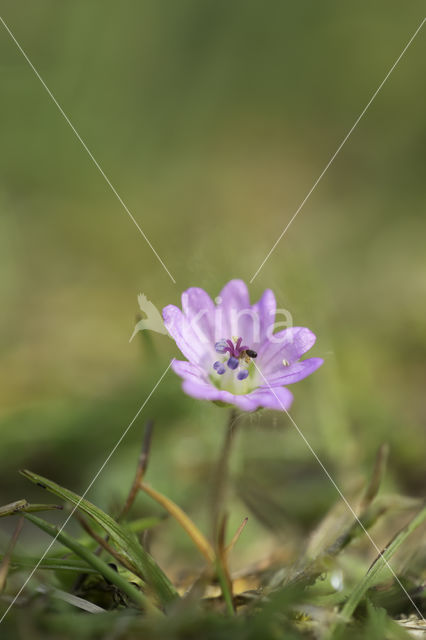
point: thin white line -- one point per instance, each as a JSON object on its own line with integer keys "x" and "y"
{"x": 299, "y": 431}
{"x": 341, "y": 145}
{"x": 84, "y": 494}
{"x": 95, "y": 162}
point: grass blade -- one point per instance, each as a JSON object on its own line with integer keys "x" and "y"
{"x": 379, "y": 564}
{"x": 73, "y": 600}
{"x": 23, "y": 506}
{"x": 94, "y": 561}
{"x": 144, "y": 565}
{"x": 50, "y": 563}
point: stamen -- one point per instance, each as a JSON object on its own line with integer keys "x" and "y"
{"x": 233, "y": 362}
{"x": 243, "y": 374}
{"x": 286, "y": 362}
{"x": 219, "y": 367}
{"x": 239, "y": 357}
{"x": 221, "y": 346}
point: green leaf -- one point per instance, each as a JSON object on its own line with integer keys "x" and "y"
{"x": 94, "y": 561}
{"x": 143, "y": 564}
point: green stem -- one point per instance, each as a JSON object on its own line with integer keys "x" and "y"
{"x": 221, "y": 474}
{"x": 224, "y": 585}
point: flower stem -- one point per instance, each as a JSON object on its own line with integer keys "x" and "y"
{"x": 220, "y": 478}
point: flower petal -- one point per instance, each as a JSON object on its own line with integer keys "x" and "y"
{"x": 278, "y": 398}
{"x": 265, "y": 309}
{"x": 234, "y": 315}
{"x": 199, "y": 309}
{"x": 292, "y": 373}
{"x": 235, "y": 293}
{"x": 189, "y": 371}
{"x": 197, "y": 385}
{"x": 289, "y": 344}
{"x": 206, "y": 391}
{"x": 183, "y": 334}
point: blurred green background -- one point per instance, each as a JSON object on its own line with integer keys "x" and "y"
{"x": 212, "y": 120}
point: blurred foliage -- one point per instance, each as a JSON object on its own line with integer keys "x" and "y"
{"x": 212, "y": 120}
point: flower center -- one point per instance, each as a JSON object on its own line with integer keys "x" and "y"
{"x": 235, "y": 357}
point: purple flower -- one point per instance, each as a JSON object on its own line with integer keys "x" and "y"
{"x": 233, "y": 355}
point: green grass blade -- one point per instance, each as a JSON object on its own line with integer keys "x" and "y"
{"x": 379, "y": 564}
{"x": 144, "y": 565}
{"x": 55, "y": 564}
{"x": 94, "y": 561}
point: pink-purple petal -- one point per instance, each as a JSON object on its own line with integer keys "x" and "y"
{"x": 266, "y": 309}
{"x": 278, "y": 398}
{"x": 199, "y": 309}
{"x": 290, "y": 345}
{"x": 189, "y": 370}
{"x": 293, "y": 373}
{"x": 234, "y": 317}
{"x": 235, "y": 294}
{"x": 206, "y": 391}
{"x": 181, "y": 331}
{"x": 197, "y": 385}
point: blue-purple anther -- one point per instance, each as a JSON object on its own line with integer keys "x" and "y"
{"x": 243, "y": 374}
{"x": 233, "y": 362}
{"x": 220, "y": 368}
{"x": 221, "y": 346}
